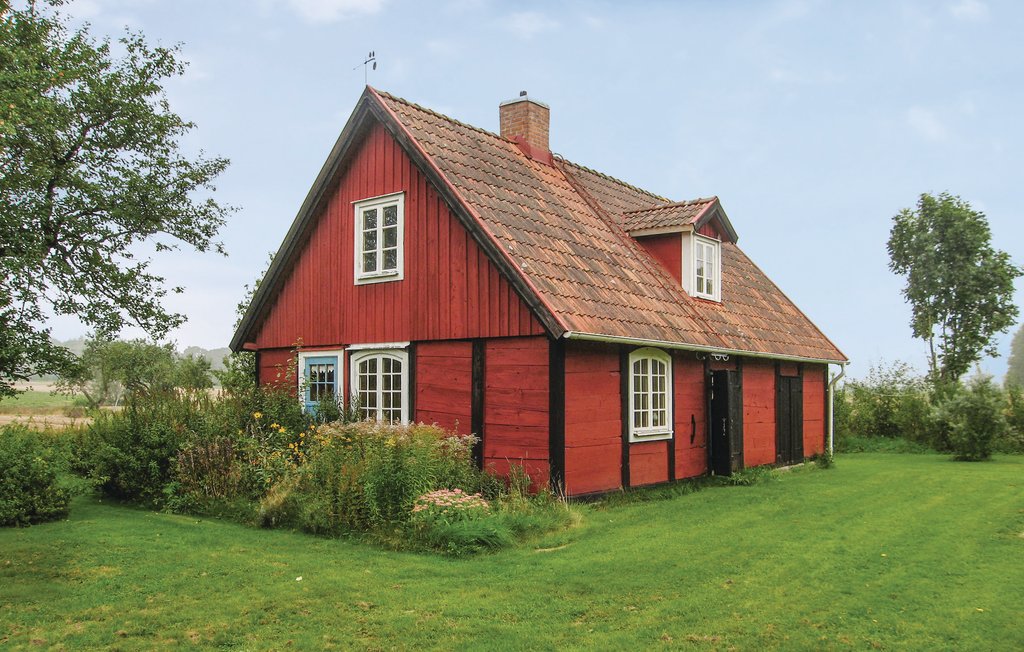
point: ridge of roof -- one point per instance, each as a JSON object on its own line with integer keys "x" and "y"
{"x": 611, "y": 178}
{"x": 677, "y": 204}
{"x": 437, "y": 114}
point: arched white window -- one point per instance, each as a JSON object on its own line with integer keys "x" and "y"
{"x": 650, "y": 395}
{"x": 380, "y": 384}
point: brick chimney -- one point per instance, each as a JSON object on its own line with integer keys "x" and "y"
{"x": 525, "y": 121}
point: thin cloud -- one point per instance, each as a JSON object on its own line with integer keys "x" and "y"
{"x": 330, "y": 11}
{"x": 527, "y": 24}
{"x": 969, "y": 10}
{"x": 926, "y": 124}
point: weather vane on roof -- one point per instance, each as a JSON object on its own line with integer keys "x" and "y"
{"x": 370, "y": 58}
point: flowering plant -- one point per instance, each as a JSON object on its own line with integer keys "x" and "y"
{"x": 447, "y": 506}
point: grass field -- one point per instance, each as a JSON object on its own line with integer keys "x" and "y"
{"x": 883, "y": 552}
{"x": 35, "y": 402}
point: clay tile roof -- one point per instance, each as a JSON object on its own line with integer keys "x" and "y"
{"x": 681, "y": 213}
{"x": 562, "y": 228}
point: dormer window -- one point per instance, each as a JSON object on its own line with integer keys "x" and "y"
{"x": 379, "y": 231}
{"x": 707, "y": 272}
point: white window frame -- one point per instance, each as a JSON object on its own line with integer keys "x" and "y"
{"x": 379, "y": 275}
{"x": 358, "y": 355}
{"x": 699, "y": 241}
{"x": 339, "y": 372}
{"x": 650, "y": 433}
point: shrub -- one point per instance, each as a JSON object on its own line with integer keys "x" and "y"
{"x": 1013, "y": 442}
{"x": 357, "y": 476}
{"x": 33, "y": 486}
{"x": 974, "y": 419}
{"x": 892, "y": 402}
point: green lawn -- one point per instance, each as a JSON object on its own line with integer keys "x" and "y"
{"x": 35, "y": 402}
{"x": 884, "y": 551}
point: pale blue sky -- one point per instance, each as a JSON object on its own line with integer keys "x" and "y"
{"x": 814, "y": 122}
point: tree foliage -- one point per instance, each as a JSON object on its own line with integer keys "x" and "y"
{"x": 1015, "y": 370}
{"x": 959, "y": 287}
{"x": 111, "y": 370}
{"x": 92, "y": 174}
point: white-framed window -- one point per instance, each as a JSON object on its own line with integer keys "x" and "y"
{"x": 706, "y": 269}
{"x": 379, "y": 237}
{"x": 380, "y": 384}
{"x": 650, "y": 395}
{"x": 320, "y": 376}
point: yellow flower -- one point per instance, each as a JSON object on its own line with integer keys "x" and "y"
{"x": 282, "y": 430}
{"x": 257, "y": 415}
{"x": 274, "y": 425}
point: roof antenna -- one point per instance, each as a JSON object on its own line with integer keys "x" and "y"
{"x": 370, "y": 58}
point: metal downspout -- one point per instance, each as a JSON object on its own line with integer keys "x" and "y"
{"x": 831, "y": 408}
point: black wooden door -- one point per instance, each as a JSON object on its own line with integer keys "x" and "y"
{"x": 726, "y": 422}
{"x": 789, "y": 416}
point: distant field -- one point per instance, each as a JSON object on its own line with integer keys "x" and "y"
{"x": 887, "y": 552}
{"x": 36, "y": 401}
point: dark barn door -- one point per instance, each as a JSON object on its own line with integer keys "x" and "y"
{"x": 789, "y": 411}
{"x": 726, "y": 422}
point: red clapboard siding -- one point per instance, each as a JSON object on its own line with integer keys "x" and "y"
{"x": 690, "y": 416}
{"x": 593, "y": 421}
{"x": 648, "y": 463}
{"x": 516, "y": 406}
{"x": 667, "y": 249}
{"x": 444, "y": 384}
{"x": 711, "y": 231}
{"x": 814, "y": 410}
{"x": 759, "y": 432}
{"x": 450, "y": 289}
{"x": 277, "y": 367}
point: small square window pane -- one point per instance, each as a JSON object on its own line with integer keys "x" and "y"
{"x": 391, "y": 237}
{"x": 370, "y": 262}
{"x": 390, "y": 259}
{"x": 390, "y": 215}
{"x": 369, "y": 240}
{"x": 370, "y": 218}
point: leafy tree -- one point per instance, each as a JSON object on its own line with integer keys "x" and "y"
{"x": 110, "y": 370}
{"x": 960, "y": 289}
{"x": 1015, "y": 370}
{"x": 92, "y": 175}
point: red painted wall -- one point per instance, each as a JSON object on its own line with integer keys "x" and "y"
{"x": 277, "y": 367}
{"x": 690, "y": 415}
{"x": 667, "y": 249}
{"x": 593, "y": 418}
{"x": 648, "y": 463}
{"x": 759, "y": 429}
{"x": 516, "y": 406}
{"x": 450, "y": 290}
{"x": 711, "y": 230}
{"x": 814, "y": 409}
{"x": 444, "y": 385}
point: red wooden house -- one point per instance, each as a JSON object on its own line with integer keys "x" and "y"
{"x": 599, "y": 334}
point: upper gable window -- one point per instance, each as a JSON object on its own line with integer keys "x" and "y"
{"x": 379, "y": 236}
{"x": 707, "y": 268}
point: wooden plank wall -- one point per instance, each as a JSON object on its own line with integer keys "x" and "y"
{"x": 690, "y": 415}
{"x": 759, "y": 429}
{"x": 444, "y": 385}
{"x": 516, "y": 406}
{"x": 593, "y": 431}
{"x": 450, "y": 289}
{"x": 277, "y": 367}
{"x": 667, "y": 249}
{"x": 814, "y": 409}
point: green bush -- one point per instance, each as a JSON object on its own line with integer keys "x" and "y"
{"x": 366, "y": 475}
{"x": 973, "y": 419}
{"x": 1013, "y": 442}
{"x": 33, "y": 482}
{"x": 892, "y": 402}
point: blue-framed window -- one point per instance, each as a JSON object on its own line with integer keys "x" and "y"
{"x": 320, "y": 379}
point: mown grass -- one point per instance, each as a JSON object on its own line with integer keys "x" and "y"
{"x": 884, "y": 551}
{"x": 35, "y": 402}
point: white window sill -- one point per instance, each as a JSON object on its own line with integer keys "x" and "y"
{"x": 650, "y": 435}
{"x": 378, "y": 278}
